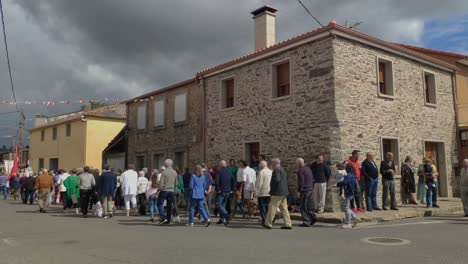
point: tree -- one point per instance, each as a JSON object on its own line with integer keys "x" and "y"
{"x": 93, "y": 105}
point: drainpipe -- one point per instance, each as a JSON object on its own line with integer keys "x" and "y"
{"x": 455, "y": 102}
{"x": 204, "y": 139}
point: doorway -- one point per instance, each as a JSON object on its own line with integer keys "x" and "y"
{"x": 250, "y": 150}
{"x": 53, "y": 164}
{"x": 436, "y": 151}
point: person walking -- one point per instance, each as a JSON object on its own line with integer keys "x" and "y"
{"x": 151, "y": 194}
{"x": 209, "y": 181}
{"x": 129, "y": 185}
{"x": 3, "y": 185}
{"x": 57, "y": 196}
{"x": 198, "y": 186}
{"x": 305, "y": 184}
{"x": 73, "y": 190}
{"x": 186, "y": 180}
{"x": 44, "y": 186}
{"x": 464, "y": 186}
{"x": 421, "y": 195}
{"x": 356, "y": 203}
{"x": 141, "y": 192}
{"x": 321, "y": 173}
{"x": 167, "y": 185}
{"x": 225, "y": 185}
{"x": 86, "y": 182}
{"x": 348, "y": 185}
{"x": 178, "y": 192}
{"x": 106, "y": 190}
{"x": 63, "y": 189}
{"x": 431, "y": 185}
{"x": 370, "y": 173}
{"x": 387, "y": 169}
{"x": 408, "y": 171}
{"x": 279, "y": 195}
{"x": 22, "y": 186}
{"x": 29, "y": 184}
{"x": 249, "y": 177}
{"x": 262, "y": 189}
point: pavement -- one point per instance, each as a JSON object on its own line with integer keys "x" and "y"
{"x": 27, "y": 236}
{"x": 448, "y": 206}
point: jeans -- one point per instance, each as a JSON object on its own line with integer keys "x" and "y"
{"x": 263, "y": 203}
{"x": 320, "y": 192}
{"x": 187, "y": 195}
{"x": 29, "y": 196}
{"x": 431, "y": 194}
{"x": 208, "y": 202}
{"x": 347, "y": 209}
{"x": 388, "y": 186}
{"x": 308, "y": 215}
{"x": 371, "y": 193}
{"x": 356, "y": 202}
{"x": 169, "y": 198}
{"x": 201, "y": 207}
{"x": 153, "y": 204}
{"x": 4, "y": 190}
{"x": 85, "y": 197}
{"x": 221, "y": 202}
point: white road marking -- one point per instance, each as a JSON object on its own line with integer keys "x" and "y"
{"x": 374, "y": 241}
{"x": 403, "y": 224}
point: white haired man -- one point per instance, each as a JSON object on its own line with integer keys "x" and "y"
{"x": 464, "y": 186}
{"x": 279, "y": 193}
{"x": 262, "y": 189}
{"x": 167, "y": 186}
{"x": 129, "y": 185}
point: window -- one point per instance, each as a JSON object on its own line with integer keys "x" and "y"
{"x": 68, "y": 130}
{"x": 385, "y": 77}
{"x": 391, "y": 145}
{"x": 41, "y": 163}
{"x": 252, "y": 150}
{"x": 158, "y": 113}
{"x": 180, "y": 108}
{"x": 281, "y": 79}
{"x": 179, "y": 161}
{"x": 140, "y": 162}
{"x": 429, "y": 88}
{"x": 158, "y": 161}
{"x": 42, "y": 135}
{"x": 53, "y": 164}
{"x": 227, "y": 93}
{"x": 464, "y": 138}
{"x": 54, "y": 133}
{"x": 141, "y": 120}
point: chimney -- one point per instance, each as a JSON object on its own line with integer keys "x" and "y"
{"x": 40, "y": 120}
{"x": 264, "y": 27}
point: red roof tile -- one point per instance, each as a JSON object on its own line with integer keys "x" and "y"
{"x": 433, "y": 51}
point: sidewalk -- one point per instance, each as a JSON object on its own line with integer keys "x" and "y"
{"x": 447, "y": 206}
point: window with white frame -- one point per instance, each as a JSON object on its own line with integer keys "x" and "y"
{"x": 385, "y": 77}
{"x": 141, "y": 120}
{"x": 180, "y": 108}
{"x": 429, "y": 88}
{"x": 158, "y": 113}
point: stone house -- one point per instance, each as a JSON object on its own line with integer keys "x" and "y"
{"x": 166, "y": 123}
{"x": 329, "y": 91}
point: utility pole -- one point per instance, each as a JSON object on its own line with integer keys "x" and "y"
{"x": 20, "y": 139}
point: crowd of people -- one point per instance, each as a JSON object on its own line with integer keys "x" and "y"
{"x": 255, "y": 188}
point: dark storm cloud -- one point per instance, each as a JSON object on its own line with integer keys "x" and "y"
{"x": 64, "y": 49}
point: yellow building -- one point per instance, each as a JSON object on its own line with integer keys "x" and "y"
{"x": 75, "y": 139}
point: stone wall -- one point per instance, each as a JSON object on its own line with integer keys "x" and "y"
{"x": 364, "y": 117}
{"x": 300, "y": 125}
{"x": 172, "y": 137}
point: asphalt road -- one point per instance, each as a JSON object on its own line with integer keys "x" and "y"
{"x": 27, "y": 236}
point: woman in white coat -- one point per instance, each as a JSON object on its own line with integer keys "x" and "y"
{"x": 129, "y": 185}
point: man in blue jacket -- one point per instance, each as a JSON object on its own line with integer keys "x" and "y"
{"x": 106, "y": 188}
{"x": 225, "y": 185}
{"x": 370, "y": 172}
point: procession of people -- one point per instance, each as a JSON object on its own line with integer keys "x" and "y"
{"x": 257, "y": 189}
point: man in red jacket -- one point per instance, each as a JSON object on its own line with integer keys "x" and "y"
{"x": 356, "y": 204}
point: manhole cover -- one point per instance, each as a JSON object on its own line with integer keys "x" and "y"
{"x": 386, "y": 241}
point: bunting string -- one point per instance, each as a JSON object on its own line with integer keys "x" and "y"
{"x": 61, "y": 102}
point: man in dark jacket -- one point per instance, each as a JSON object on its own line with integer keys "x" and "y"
{"x": 29, "y": 188}
{"x": 106, "y": 189}
{"x": 387, "y": 169}
{"x": 370, "y": 172}
{"x": 279, "y": 195}
{"x": 225, "y": 185}
{"x": 321, "y": 173}
{"x": 305, "y": 184}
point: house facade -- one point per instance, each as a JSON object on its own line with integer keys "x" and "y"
{"x": 328, "y": 92}
{"x": 167, "y": 123}
{"x": 74, "y": 140}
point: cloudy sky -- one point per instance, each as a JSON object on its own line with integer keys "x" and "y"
{"x": 68, "y": 49}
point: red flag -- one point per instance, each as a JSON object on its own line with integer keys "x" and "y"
{"x": 15, "y": 164}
